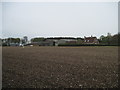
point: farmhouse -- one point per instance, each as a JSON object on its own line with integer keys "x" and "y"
{"x": 91, "y": 40}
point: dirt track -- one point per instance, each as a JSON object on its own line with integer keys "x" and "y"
{"x": 46, "y": 67}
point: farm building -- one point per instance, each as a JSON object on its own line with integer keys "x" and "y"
{"x": 91, "y": 40}
{"x": 62, "y": 40}
{"x": 47, "y": 43}
{"x": 54, "y": 41}
{"x": 43, "y": 43}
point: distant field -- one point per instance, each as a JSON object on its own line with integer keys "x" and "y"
{"x": 65, "y": 67}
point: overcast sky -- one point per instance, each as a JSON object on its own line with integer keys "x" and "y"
{"x": 49, "y": 19}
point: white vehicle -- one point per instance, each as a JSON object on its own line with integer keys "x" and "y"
{"x": 21, "y": 45}
{"x": 31, "y": 45}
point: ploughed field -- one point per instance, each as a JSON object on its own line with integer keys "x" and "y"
{"x": 65, "y": 67}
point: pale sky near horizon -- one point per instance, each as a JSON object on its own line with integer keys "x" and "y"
{"x": 51, "y": 19}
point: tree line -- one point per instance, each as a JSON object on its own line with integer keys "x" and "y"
{"x": 103, "y": 40}
{"x": 109, "y": 39}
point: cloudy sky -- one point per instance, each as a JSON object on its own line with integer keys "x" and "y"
{"x": 47, "y": 19}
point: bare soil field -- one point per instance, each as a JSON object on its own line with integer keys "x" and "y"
{"x": 60, "y": 67}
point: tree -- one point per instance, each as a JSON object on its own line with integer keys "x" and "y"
{"x": 37, "y": 39}
{"x": 114, "y": 40}
{"x": 80, "y": 40}
{"x": 14, "y": 40}
{"x": 8, "y": 41}
{"x": 110, "y": 40}
{"x": 109, "y": 35}
{"x": 102, "y": 37}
